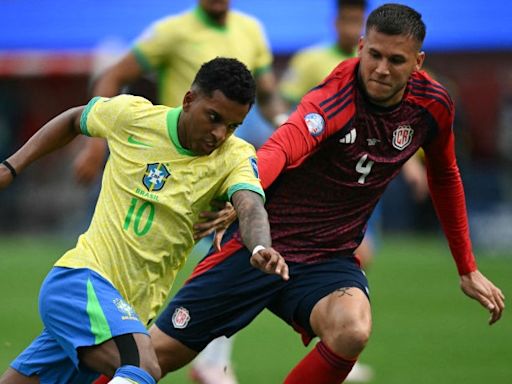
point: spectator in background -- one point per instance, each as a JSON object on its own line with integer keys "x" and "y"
{"x": 173, "y": 48}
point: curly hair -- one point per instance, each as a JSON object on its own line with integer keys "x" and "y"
{"x": 229, "y": 76}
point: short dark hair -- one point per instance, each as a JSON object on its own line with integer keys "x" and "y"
{"x": 351, "y": 3}
{"x": 229, "y": 76}
{"x": 397, "y": 19}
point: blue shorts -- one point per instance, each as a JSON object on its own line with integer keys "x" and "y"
{"x": 79, "y": 308}
{"x": 230, "y": 293}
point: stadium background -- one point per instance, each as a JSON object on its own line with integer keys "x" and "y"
{"x": 425, "y": 331}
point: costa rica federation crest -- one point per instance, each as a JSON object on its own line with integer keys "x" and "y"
{"x": 180, "y": 318}
{"x": 155, "y": 177}
{"x": 402, "y": 137}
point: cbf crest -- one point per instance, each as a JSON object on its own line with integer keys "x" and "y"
{"x": 402, "y": 137}
{"x": 127, "y": 312}
{"x": 155, "y": 177}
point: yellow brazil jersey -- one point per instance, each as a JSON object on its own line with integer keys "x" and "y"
{"x": 308, "y": 68}
{"x": 152, "y": 192}
{"x": 175, "y": 47}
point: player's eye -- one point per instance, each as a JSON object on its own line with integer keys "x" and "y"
{"x": 374, "y": 54}
{"x": 214, "y": 117}
{"x": 397, "y": 60}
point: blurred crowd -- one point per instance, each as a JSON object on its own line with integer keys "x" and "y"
{"x": 41, "y": 199}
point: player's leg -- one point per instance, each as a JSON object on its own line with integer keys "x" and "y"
{"x": 11, "y": 376}
{"x": 44, "y": 361}
{"x": 224, "y": 294}
{"x": 213, "y": 364}
{"x": 330, "y": 302}
{"x": 129, "y": 356}
{"x": 95, "y": 326}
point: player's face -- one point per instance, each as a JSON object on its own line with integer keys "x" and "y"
{"x": 349, "y": 25}
{"x": 217, "y": 9}
{"x": 387, "y": 62}
{"x": 207, "y": 121}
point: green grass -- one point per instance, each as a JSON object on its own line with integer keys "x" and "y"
{"x": 425, "y": 330}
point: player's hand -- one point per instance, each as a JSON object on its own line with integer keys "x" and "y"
{"x": 416, "y": 177}
{"x": 216, "y": 221}
{"x": 478, "y": 287}
{"x": 89, "y": 162}
{"x": 270, "y": 261}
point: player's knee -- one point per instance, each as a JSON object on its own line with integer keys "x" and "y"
{"x": 153, "y": 368}
{"x": 348, "y": 337}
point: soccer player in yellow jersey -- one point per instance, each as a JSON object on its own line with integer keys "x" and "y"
{"x": 173, "y": 48}
{"x": 309, "y": 67}
{"x": 165, "y": 167}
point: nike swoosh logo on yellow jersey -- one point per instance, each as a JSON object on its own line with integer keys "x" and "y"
{"x": 131, "y": 140}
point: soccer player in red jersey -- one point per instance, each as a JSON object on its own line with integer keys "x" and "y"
{"x": 324, "y": 171}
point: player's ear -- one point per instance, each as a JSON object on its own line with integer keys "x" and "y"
{"x": 420, "y": 58}
{"x": 360, "y": 46}
{"x": 188, "y": 99}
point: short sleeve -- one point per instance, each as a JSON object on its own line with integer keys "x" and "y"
{"x": 244, "y": 175}
{"x": 103, "y": 115}
{"x": 155, "y": 44}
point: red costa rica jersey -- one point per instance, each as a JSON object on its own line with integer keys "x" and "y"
{"x": 326, "y": 168}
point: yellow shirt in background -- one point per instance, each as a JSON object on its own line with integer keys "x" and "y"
{"x": 152, "y": 192}
{"x": 175, "y": 47}
{"x": 308, "y": 68}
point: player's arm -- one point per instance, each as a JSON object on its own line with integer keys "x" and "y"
{"x": 255, "y": 233}
{"x": 91, "y": 158}
{"x": 53, "y": 135}
{"x": 415, "y": 176}
{"x": 272, "y": 106}
{"x": 447, "y": 194}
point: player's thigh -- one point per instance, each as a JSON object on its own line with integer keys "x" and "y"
{"x": 171, "y": 353}
{"x": 128, "y": 349}
{"x": 11, "y": 376}
{"x": 312, "y": 285}
{"x": 222, "y": 296}
{"x": 347, "y": 308}
{"x": 91, "y": 299}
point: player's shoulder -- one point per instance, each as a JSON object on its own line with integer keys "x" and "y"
{"x": 172, "y": 21}
{"x": 128, "y": 100}
{"x": 312, "y": 53}
{"x": 339, "y": 83}
{"x": 428, "y": 93}
{"x": 130, "y": 106}
{"x": 244, "y": 19}
{"x": 236, "y": 148}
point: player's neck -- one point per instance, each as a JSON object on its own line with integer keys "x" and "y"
{"x": 216, "y": 18}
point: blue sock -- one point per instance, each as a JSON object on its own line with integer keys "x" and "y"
{"x": 135, "y": 374}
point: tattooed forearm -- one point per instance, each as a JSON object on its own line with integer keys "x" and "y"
{"x": 254, "y": 226}
{"x": 343, "y": 292}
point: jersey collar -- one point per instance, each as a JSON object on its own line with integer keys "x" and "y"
{"x": 207, "y": 20}
{"x": 172, "y": 129}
